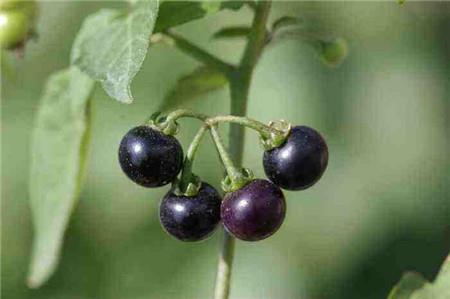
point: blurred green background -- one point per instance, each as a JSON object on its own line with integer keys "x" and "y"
{"x": 382, "y": 207}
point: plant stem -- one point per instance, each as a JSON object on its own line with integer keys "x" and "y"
{"x": 200, "y": 54}
{"x": 176, "y": 114}
{"x": 239, "y": 85}
{"x": 222, "y": 289}
{"x": 186, "y": 174}
{"x": 258, "y": 126}
{"x": 233, "y": 173}
{"x": 261, "y": 128}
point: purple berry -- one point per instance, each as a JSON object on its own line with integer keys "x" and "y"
{"x": 149, "y": 157}
{"x": 191, "y": 218}
{"x": 255, "y": 211}
{"x": 299, "y": 162}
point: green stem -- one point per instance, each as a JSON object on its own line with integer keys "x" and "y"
{"x": 257, "y": 36}
{"x": 200, "y": 54}
{"x": 239, "y": 85}
{"x": 174, "y": 115}
{"x": 233, "y": 172}
{"x": 224, "y": 266}
{"x": 261, "y": 128}
{"x": 186, "y": 174}
{"x": 265, "y": 130}
{"x": 169, "y": 126}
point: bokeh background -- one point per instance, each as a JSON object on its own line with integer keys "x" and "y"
{"x": 382, "y": 207}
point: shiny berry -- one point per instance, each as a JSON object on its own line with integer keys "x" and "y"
{"x": 255, "y": 211}
{"x": 14, "y": 29}
{"x": 299, "y": 162}
{"x": 149, "y": 157}
{"x": 191, "y": 218}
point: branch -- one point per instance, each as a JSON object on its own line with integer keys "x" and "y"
{"x": 257, "y": 36}
{"x": 201, "y": 55}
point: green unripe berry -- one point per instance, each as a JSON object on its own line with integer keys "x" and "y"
{"x": 22, "y": 5}
{"x": 14, "y": 29}
{"x": 30, "y": 8}
{"x": 333, "y": 53}
{"x": 17, "y": 21}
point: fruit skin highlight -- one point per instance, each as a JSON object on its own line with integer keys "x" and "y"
{"x": 149, "y": 157}
{"x": 255, "y": 211}
{"x": 299, "y": 162}
{"x": 191, "y": 218}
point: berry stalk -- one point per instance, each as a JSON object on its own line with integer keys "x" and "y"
{"x": 187, "y": 176}
{"x": 264, "y": 130}
{"x": 270, "y": 134}
{"x": 236, "y": 177}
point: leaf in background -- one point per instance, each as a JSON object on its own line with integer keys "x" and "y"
{"x": 174, "y": 13}
{"x": 232, "y": 32}
{"x": 111, "y": 46}
{"x": 286, "y": 21}
{"x": 409, "y": 282}
{"x": 416, "y": 287}
{"x": 440, "y": 288}
{"x": 201, "y": 81}
{"x": 59, "y": 147}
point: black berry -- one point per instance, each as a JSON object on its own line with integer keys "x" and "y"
{"x": 191, "y": 218}
{"x": 149, "y": 157}
{"x": 254, "y": 212}
{"x": 299, "y": 162}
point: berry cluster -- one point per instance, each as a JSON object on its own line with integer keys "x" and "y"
{"x": 252, "y": 209}
{"x": 17, "y": 22}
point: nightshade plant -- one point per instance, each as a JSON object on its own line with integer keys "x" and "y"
{"x": 252, "y": 209}
{"x": 109, "y": 49}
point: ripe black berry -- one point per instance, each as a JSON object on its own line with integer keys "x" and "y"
{"x": 299, "y": 162}
{"x": 255, "y": 211}
{"x": 191, "y": 218}
{"x": 149, "y": 157}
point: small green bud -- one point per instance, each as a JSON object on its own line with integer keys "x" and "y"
{"x": 14, "y": 29}
{"x": 332, "y": 53}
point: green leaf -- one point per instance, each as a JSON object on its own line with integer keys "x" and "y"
{"x": 112, "y": 44}
{"x": 416, "y": 287}
{"x": 232, "y": 32}
{"x": 174, "y": 13}
{"x": 409, "y": 282}
{"x": 59, "y": 147}
{"x": 201, "y": 81}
